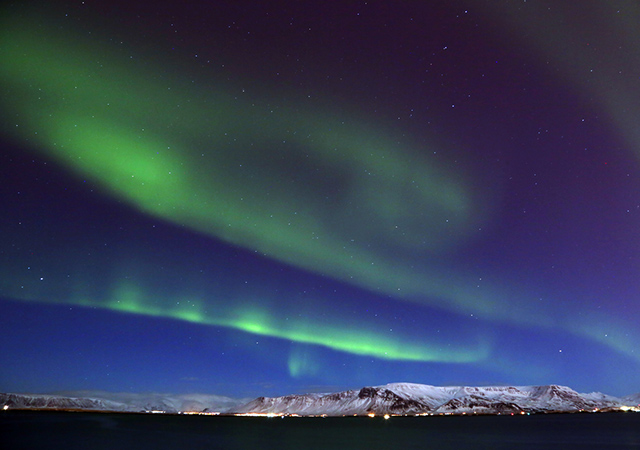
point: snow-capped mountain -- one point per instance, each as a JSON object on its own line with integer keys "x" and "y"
{"x": 394, "y": 398}
{"x": 409, "y": 398}
{"x": 120, "y": 402}
{"x": 25, "y": 401}
{"x": 163, "y": 402}
{"x": 632, "y": 400}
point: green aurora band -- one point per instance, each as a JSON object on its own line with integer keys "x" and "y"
{"x": 291, "y": 182}
{"x": 241, "y": 172}
{"x": 253, "y": 318}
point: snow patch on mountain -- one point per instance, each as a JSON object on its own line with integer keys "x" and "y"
{"x": 632, "y": 400}
{"x": 121, "y": 402}
{"x": 393, "y": 398}
{"x": 411, "y": 398}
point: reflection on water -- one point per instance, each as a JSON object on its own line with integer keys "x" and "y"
{"x": 58, "y": 430}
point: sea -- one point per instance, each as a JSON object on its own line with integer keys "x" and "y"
{"x": 80, "y": 430}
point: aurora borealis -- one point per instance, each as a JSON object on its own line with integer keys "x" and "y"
{"x": 296, "y": 196}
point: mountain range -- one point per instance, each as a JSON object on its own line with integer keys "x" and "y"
{"x": 414, "y": 399}
{"x": 389, "y": 399}
{"x": 120, "y": 402}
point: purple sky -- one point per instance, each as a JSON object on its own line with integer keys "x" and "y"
{"x": 262, "y": 198}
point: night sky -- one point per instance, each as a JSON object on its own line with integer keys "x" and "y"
{"x": 263, "y": 198}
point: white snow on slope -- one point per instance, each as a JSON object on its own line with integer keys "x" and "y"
{"x": 121, "y": 402}
{"x": 393, "y": 398}
{"x": 411, "y": 398}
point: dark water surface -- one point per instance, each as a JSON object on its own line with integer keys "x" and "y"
{"x": 64, "y": 430}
